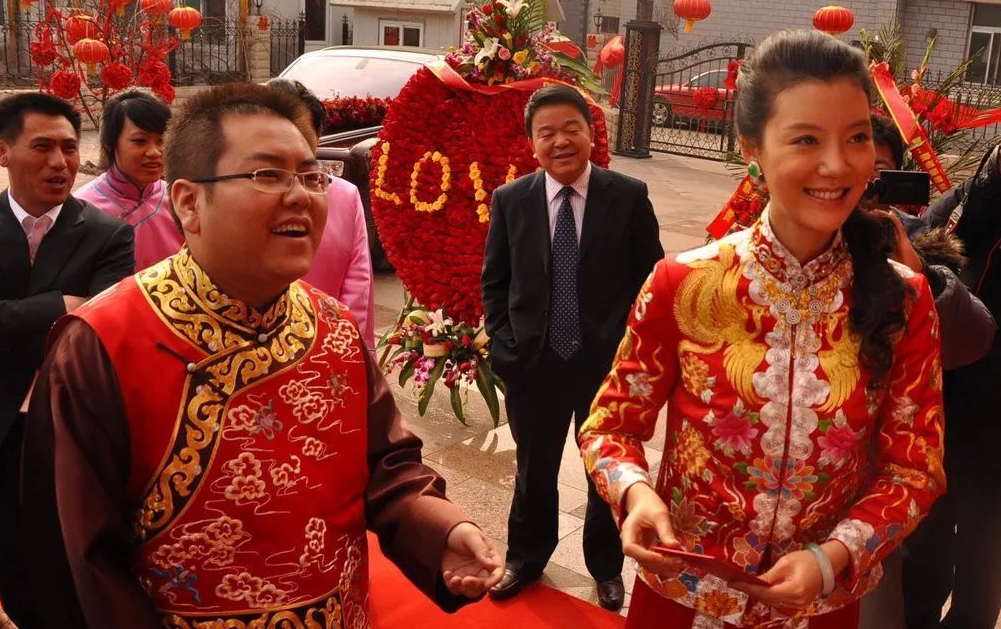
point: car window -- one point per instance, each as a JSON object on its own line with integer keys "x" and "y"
{"x": 329, "y": 76}
{"x": 715, "y": 78}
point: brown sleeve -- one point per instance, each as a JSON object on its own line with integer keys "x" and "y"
{"x": 74, "y": 473}
{"x": 405, "y": 502}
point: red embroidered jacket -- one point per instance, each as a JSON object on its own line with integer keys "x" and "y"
{"x": 774, "y": 438}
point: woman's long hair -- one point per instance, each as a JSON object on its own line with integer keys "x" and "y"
{"x": 781, "y": 61}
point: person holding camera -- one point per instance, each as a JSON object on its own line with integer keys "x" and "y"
{"x": 957, "y": 549}
{"x": 966, "y": 325}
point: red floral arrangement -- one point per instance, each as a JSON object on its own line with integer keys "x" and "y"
{"x": 353, "y": 112}
{"x": 446, "y": 144}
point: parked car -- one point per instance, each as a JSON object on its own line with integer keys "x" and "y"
{"x": 678, "y": 103}
{"x": 342, "y": 71}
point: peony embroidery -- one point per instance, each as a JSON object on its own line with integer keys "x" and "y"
{"x": 639, "y": 385}
{"x": 734, "y": 432}
{"x": 838, "y": 441}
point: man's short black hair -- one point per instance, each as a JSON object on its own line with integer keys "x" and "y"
{"x": 884, "y": 133}
{"x": 13, "y": 109}
{"x": 555, "y": 95}
{"x": 312, "y": 103}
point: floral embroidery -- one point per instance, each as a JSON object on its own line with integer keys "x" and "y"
{"x": 905, "y": 410}
{"x": 690, "y": 453}
{"x": 639, "y": 385}
{"x": 695, "y": 377}
{"x": 688, "y": 524}
{"x": 734, "y": 431}
{"x": 717, "y": 603}
{"x": 839, "y": 441}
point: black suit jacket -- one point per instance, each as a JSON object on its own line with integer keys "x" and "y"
{"x": 619, "y": 244}
{"x": 83, "y": 253}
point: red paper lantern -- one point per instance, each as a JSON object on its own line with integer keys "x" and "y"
{"x": 185, "y": 19}
{"x": 79, "y": 27}
{"x": 156, "y": 9}
{"x": 91, "y": 52}
{"x": 692, "y": 11}
{"x": 833, "y": 19}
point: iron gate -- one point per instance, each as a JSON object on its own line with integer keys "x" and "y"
{"x": 692, "y": 112}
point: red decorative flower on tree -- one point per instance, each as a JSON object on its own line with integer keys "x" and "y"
{"x": 65, "y": 84}
{"x": 116, "y": 76}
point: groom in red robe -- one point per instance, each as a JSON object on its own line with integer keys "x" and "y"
{"x": 209, "y": 439}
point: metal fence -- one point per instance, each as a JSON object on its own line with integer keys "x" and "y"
{"x": 288, "y": 41}
{"x": 16, "y": 69}
{"x": 216, "y": 52}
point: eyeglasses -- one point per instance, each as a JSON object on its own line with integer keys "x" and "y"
{"x": 277, "y": 180}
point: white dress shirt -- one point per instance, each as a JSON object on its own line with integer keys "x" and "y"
{"x": 20, "y": 214}
{"x": 577, "y": 200}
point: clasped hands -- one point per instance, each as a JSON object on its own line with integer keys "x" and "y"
{"x": 794, "y": 582}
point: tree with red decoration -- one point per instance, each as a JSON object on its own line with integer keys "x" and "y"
{"x": 88, "y": 52}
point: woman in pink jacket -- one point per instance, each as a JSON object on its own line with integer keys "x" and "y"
{"x": 133, "y": 188}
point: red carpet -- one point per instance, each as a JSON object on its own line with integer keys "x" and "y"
{"x": 396, "y": 604}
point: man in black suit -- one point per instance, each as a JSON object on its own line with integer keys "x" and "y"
{"x": 55, "y": 253}
{"x": 567, "y": 252}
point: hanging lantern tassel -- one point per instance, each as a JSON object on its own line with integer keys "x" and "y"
{"x": 692, "y": 11}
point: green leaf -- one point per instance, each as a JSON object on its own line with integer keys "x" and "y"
{"x": 823, "y": 477}
{"x": 486, "y": 386}
{"x": 406, "y": 373}
{"x": 428, "y": 390}
{"x": 676, "y": 495}
{"x": 824, "y": 424}
{"x": 740, "y": 467}
{"x": 456, "y": 399}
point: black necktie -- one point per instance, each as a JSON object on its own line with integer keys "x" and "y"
{"x": 564, "y": 311}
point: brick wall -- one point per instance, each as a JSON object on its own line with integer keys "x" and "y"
{"x": 952, "y": 20}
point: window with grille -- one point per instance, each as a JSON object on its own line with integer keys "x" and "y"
{"x": 985, "y": 45}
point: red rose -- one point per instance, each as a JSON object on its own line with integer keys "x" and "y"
{"x": 487, "y": 8}
{"x": 498, "y": 19}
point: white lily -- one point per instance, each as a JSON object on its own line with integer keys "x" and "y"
{"x": 439, "y": 322}
{"x": 514, "y": 7}
{"x": 489, "y": 50}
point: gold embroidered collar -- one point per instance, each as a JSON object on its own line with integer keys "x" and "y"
{"x": 231, "y": 311}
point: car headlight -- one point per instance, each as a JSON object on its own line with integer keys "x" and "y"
{"x": 334, "y": 167}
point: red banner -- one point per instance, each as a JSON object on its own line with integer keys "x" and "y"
{"x": 914, "y": 135}
{"x": 456, "y": 81}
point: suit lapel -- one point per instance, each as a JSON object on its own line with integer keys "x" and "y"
{"x": 58, "y": 246}
{"x": 15, "y": 264}
{"x": 597, "y": 207}
{"x": 537, "y": 218}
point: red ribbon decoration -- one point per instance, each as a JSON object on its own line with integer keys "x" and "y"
{"x": 612, "y": 55}
{"x": 453, "y": 79}
{"x": 913, "y": 133}
{"x": 743, "y": 196}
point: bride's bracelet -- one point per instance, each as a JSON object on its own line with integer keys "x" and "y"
{"x": 826, "y": 569}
